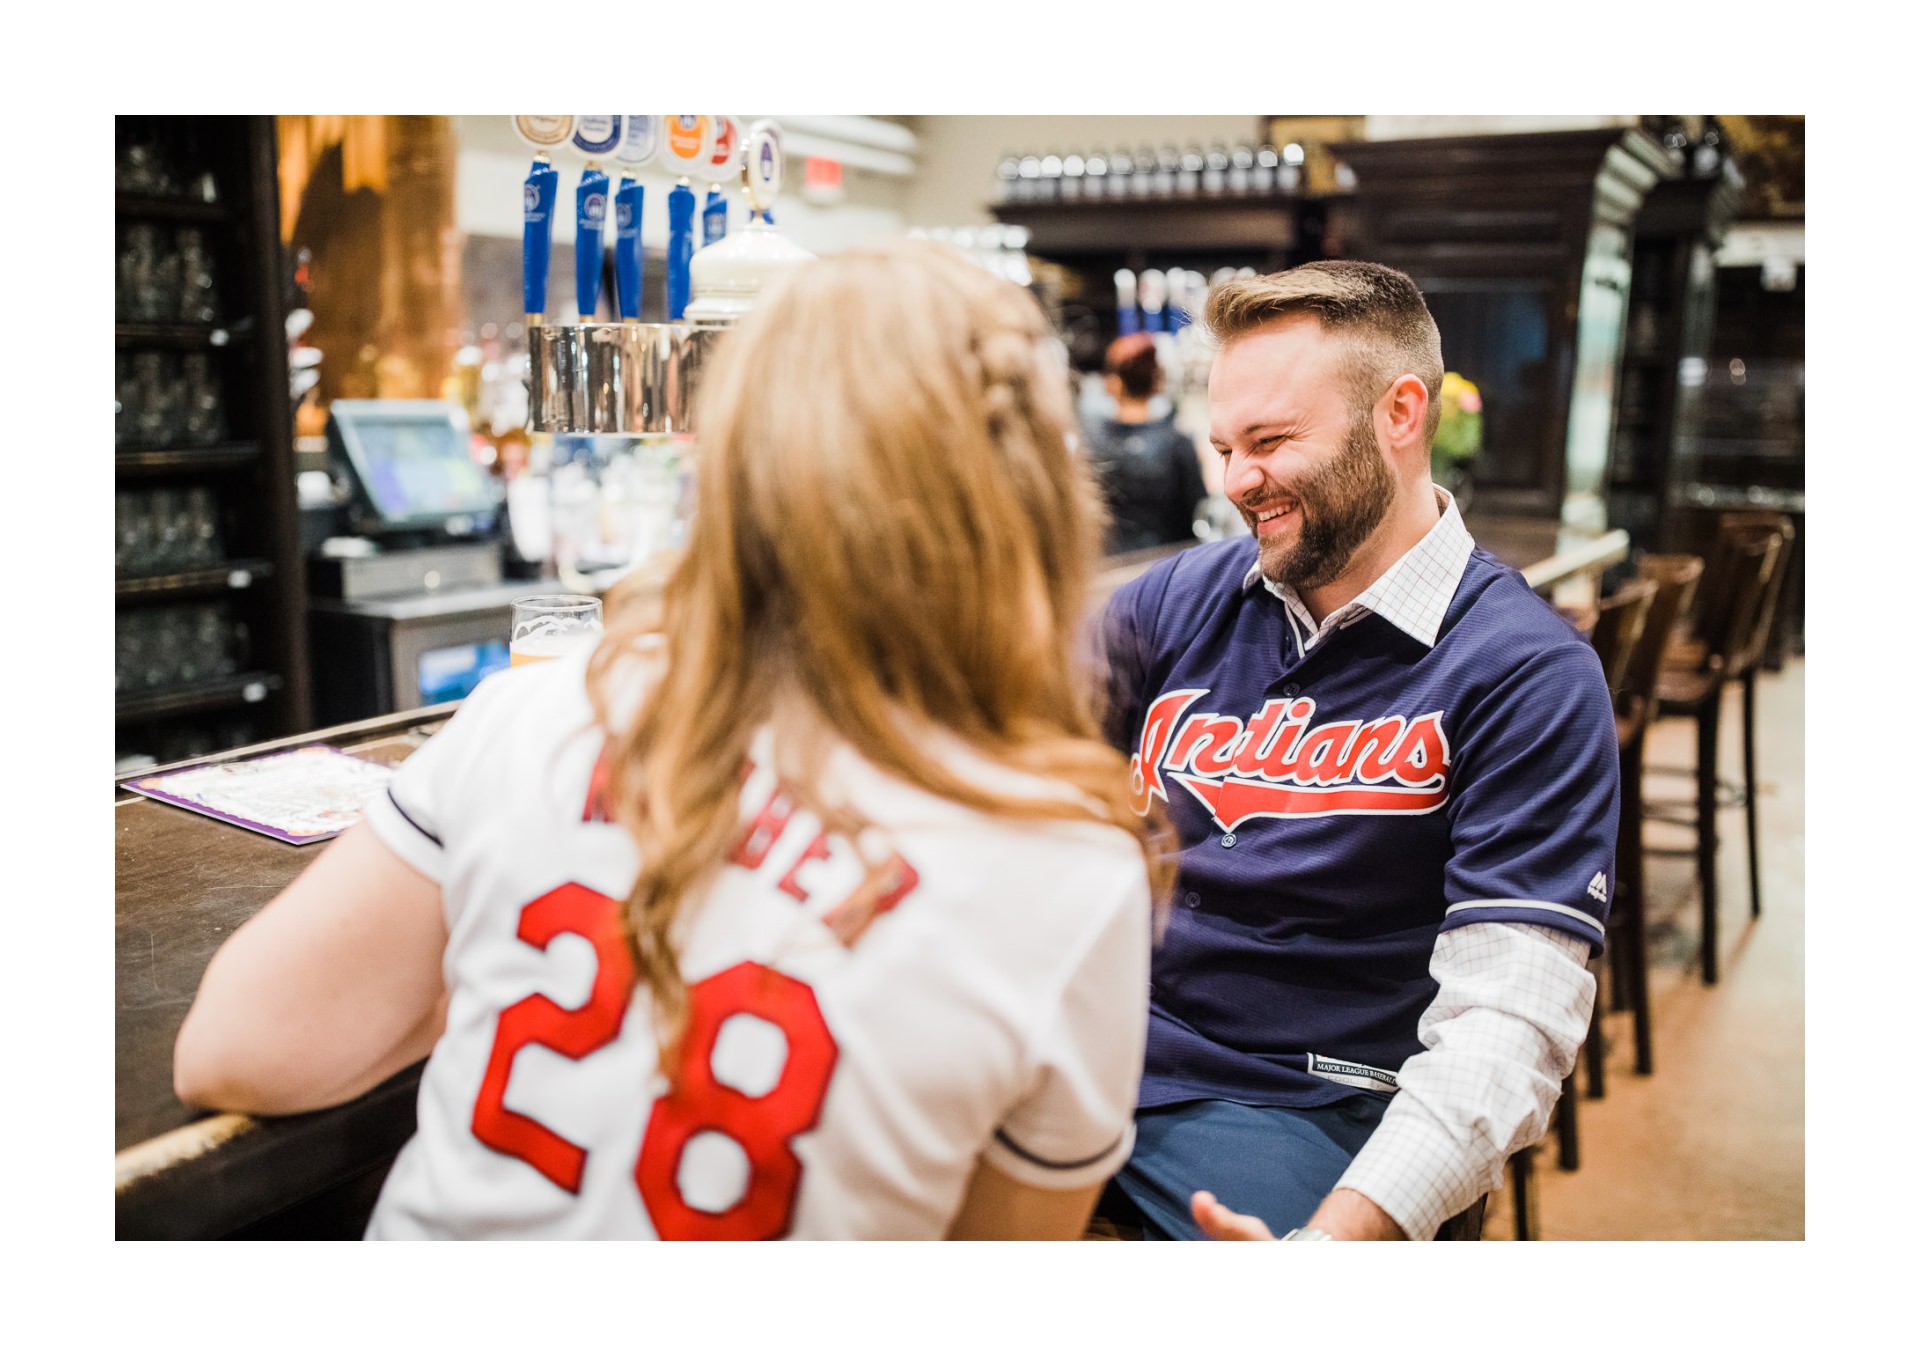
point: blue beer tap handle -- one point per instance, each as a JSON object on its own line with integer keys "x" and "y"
{"x": 589, "y": 254}
{"x": 536, "y": 242}
{"x": 628, "y": 257}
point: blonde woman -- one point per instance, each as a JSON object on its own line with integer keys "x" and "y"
{"x": 826, "y": 916}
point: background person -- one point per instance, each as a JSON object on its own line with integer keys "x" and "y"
{"x": 829, "y": 918}
{"x": 1394, "y": 775}
{"x": 1149, "y": 472}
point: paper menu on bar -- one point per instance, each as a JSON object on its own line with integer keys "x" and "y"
{"x": 299, "y": 797}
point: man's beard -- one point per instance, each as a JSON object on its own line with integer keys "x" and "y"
{"x": 1340, "y": 505}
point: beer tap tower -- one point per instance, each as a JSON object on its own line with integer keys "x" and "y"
{"x": 629, "y": 377}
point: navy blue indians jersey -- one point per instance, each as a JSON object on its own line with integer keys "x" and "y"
{"x": 1337, "y": 810}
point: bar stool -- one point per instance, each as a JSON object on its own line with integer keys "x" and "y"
{"x": 1635, "y": 702}
{"x": 1618, "y": 629}
{"x": 1619, "y": 621}
{"x": 1728, "y": 618}
{"x": 1747, "y": 666}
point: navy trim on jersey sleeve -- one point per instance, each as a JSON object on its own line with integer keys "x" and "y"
{"x": 422, "y": 829}
{"x": 1538, "y": 912}
{"x": 1039, "y": 1162}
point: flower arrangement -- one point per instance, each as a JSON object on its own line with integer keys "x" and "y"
{"x": 1457, "y": 440}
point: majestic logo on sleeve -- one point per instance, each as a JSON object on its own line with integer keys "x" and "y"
{"x": 1281, "y": 765}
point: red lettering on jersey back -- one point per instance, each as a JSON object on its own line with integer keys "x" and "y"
{"x": 817, "y": 851}
{"x": 763, "y": 1127}
{"x": 572, "y": 1032}
{"x": 598, "y": 809}
{"x": 850, "y": 918}
{"x": 764, "y": 831}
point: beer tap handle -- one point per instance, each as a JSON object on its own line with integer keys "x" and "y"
{"x": 536, "y": 244}
{"x": 590, "y": 221}
{"x": 628, "y": 255}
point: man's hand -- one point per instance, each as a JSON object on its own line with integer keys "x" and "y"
{"x": 1222, "y": 1223}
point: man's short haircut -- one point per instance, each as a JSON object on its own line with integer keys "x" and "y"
{"x": 1133, "y": 360}
{"x": 1377, "y": 310}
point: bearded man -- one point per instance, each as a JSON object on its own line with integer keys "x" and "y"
{"x": 1394, "y": 776}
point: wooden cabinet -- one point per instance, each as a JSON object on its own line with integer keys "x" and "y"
{"x": 1521, "y": 245}
{"x": 209, "y": 583}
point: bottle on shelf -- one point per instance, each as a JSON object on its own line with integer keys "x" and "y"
{"x": 1073, "y": 173}
{"x": 1266, "y": 169}
{"x": 1094, "y": 183}
{"x": 1049, "y": 178}
{"x": 1240, "y": 171}
{"x": 1213, "y": 179}
{"x": 1166, "y": 172}
{"x": 1292, "y": 156}
{"x": 1029, "y": 178}
{"x": 1193, "y": 167}
{"x": 1121, "y": 170}
{"x": 1006, "y": 178}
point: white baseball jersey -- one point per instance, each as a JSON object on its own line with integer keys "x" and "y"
{"x": 843, "y": 1070}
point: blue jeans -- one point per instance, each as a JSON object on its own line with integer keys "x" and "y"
{"x": 1274, "y": 1162}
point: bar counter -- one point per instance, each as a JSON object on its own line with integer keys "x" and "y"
{"x": 184, "y": 882}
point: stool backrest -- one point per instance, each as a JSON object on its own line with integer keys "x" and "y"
{"x": 1621, "y": 621}
{"x": 1733, "y": 589}
{"x": 1746, "y": 524}
{"x": 1675, "y": 580}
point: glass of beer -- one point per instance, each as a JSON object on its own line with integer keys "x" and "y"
{"x": 552, "y": 625}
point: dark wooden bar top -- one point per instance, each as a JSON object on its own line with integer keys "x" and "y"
{"x": 182, "y": 884}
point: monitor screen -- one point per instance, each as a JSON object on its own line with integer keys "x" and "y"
{"x": 454, "y": 671}
{"x": 412, "y": 461}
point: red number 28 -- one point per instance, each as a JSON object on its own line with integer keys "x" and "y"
{"x": 762, "y": 1126}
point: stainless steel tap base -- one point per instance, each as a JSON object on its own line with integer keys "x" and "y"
{"x": 627, "y": 378}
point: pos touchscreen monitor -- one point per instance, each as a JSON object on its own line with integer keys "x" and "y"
{"x": 410, "y": 467}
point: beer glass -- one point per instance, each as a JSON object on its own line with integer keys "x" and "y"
{"x": 552, "y": 625}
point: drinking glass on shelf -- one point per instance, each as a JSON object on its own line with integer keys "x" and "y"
{"x": 149, "y": 277}
{"x": 203, "y": 422}
{"x": 198, "y": 303}
{"x": 129, "y": 533}
{"x": 155, "y": 401}
{"x": 552, "y": 625}
{"x": 202, "y": 533}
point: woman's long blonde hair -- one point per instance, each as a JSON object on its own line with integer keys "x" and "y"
{"x": 892, "y": 538}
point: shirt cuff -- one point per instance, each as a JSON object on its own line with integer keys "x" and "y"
{"x": 1415, "y": 1171}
